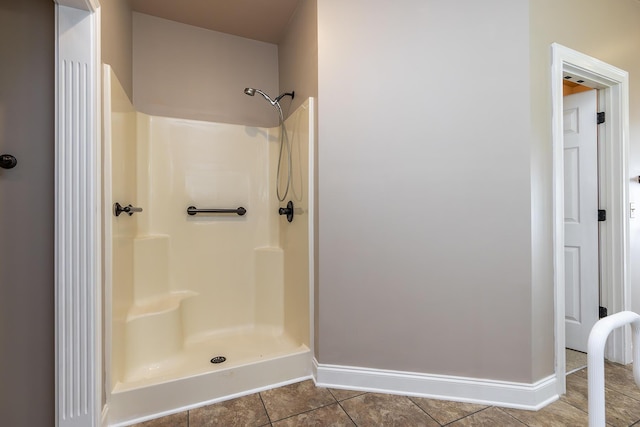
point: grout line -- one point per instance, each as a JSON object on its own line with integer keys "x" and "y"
{"x": 423, "y": 410}
{"x": 512, "y": 416}
{"x": 265, "y": 407}
{"x": 345, "y": 411}
{"x": 469, "y": 414}
{"x": 306, "y": 412}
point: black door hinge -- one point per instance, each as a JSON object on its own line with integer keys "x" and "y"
{"x": 601, "y": 118}
{"x": 602, "y": 215}
{"x": 603, "y": 312}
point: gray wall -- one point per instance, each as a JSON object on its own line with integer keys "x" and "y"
{"x": 26, "y": 214}
{"x": 298, "y": 54}
{"x": 424, "y": 187}
{"x": 189, "y": 72}
{"x": 116, "y": 38}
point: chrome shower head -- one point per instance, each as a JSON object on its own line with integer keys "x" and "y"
{"x": 252, "y": 91}
{"x": 275, "y": 102}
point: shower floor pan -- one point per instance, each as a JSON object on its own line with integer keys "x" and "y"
{"x": 255, "y": 360}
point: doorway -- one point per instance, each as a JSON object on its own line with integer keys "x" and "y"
{"x": 581, "y": 219}
{"x": 612, "y": 86}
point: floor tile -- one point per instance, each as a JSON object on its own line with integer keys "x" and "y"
{"x": 574, "y": 360}
{"x": 373, "y": 409}
{"x": 621, "y": 410}
{"x": 557, "y": 414}
{"x": 490, "y": 417}
{"x": 619, "y": 378}
{"x": 340, "y": 394}
{"x": 294, "y": 399}
{"x": 242, "y": 412}
{"x": 180, "y": 419}
{"x": 332, "y": 415}
{"x": 444, "y": 411}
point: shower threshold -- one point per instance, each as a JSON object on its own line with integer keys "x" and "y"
{"x": 254, "y": 360}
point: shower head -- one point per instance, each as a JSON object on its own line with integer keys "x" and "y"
{"x": 275, "y": 102}
{"x": 251, "y": 92}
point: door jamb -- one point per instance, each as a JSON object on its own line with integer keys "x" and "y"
{"x": 613, "y": 86}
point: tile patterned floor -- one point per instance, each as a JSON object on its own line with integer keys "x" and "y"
{"x": 574, "y": 360}
{"x": 304, "y": 404}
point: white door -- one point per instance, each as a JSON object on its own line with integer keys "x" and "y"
{"x": 580, "y": 218}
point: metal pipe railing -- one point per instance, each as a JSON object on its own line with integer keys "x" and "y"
{"x": 595, "y": 360}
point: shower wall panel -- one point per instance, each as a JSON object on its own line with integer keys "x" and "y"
{"x": 179, "y": 286}
{"x": 294, "y": 236}
{"x": 219, "y": 257}
{"x": 120, "y": 161}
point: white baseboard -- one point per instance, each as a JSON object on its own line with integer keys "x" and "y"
{"x": 471, "y": 390}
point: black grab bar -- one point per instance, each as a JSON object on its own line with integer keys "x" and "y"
{"x": 192, "y": 210}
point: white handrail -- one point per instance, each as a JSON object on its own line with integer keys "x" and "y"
{"x": 595, "y": 360}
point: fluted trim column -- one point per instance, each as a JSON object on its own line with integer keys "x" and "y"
{"x": 77, "y": 217}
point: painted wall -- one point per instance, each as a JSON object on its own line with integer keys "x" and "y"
{"x": 298, "y": 55}
{"x": 424, "y": 187}
{"x": 616, "y": 41}
{"x": 26, "y": 220}
{"x": 189, "y": 72}
{"x": 116, "y": 38}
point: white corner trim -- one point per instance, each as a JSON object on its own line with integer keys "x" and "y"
{"x": 88, "y": 5}
{"x": 78, "y": 225}
{"x": 471, "y": 390}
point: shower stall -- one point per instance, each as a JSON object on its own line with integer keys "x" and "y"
{"x": 211, "y": 303}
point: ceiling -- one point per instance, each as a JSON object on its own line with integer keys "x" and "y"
{"x": 264, "y": 20}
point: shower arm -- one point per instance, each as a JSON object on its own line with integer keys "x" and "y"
{"x": 291, "y": 94}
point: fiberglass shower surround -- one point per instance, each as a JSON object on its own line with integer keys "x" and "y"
{"x": 188, "y": 291}
{"x": 284, "y": 141}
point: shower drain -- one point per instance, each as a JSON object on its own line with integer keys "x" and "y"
{"x": 218, "y": 359}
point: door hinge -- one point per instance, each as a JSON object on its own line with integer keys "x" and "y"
{"x": 603, "y": 312}
{"x": 602, "y": 215}
{"x": 601, "y": 118}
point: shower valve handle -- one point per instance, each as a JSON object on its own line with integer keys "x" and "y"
{"x": 288, "y": 211}
{"x": 118, "y": 209}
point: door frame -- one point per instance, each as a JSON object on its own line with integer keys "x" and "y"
{"x": 613, "y": 97}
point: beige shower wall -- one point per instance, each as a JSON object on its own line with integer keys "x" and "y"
{"x": 188, "y": 72}
{"x": 610, "y": 32}
{"x": 119, "y": 143}
{"x": 294, "y": 236}
{"x": 186, "y": 163}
